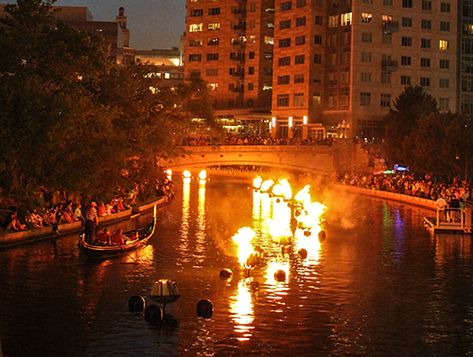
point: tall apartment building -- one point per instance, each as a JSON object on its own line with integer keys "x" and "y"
{"x": 230, "y": 44}
{"x": 465, "y": 54}
{"x": 338, "y": 63}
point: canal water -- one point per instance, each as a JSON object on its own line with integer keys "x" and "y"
{"x": 378, "y": 285}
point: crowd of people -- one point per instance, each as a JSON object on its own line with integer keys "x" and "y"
{"x": 251, "y": 139}
{"x": 62, "y": 207}
{"x": 455, "y": 191}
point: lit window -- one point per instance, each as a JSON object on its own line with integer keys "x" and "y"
{"x": 346, "y": 19}
{"x": 443, "y": 45}
{"x": 333, "y": 21}
{"x": 213, "y": 26}
{"x": 366, "y": 17}
{"x": 195, "y": 27}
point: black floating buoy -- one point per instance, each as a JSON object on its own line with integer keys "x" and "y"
{"x": 136, "y": 303}
{"x": 153, "y": 314}
{"x": 226, "y": 273}
{"x": 302, "y": 253}
{"x": 322, "y": 236}
{"x": 307, "y": 233}
{"x": 278, "y": 200}
{"x": 205, "y": 308}
{"x": 280, "y": 275}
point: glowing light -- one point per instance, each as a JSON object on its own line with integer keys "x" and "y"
{"x": 303, "y": 196}
{"x": 243, "y": 238}
{"x": 311, "y": 215}
{"x": 282, "y": 189}
{"x": 203, "y": 175}
{"x": 273, "y": 122}
{"x": 186, "y": 174}
{"x": 257, "y": 181}
{"x": 169, "y": 174}
{"x": 304, "y": 120}
{"x": 241, "y": 309}
{"x": 266, "y": 185}
{"x": 290, "y": 122}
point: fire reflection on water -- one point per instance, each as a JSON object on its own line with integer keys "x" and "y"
{"x": 201, "y": 224}
{"x": 242, "y": 311}
{"x": 184, "y": 229}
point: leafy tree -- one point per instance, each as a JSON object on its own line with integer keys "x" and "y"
{"x": 401, "y": 120}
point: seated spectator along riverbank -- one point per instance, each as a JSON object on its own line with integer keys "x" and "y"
{"x": 426, "y": 187}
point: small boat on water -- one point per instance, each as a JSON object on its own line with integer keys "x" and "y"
{"x": 134, "y": 240}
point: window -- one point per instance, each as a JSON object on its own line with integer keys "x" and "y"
{"x": 213, "y": 41}
{"x": 318, "y": 39}
{"x": 332, "y": 21}
{"x": 317, "y": 58}
{"x": 425, "y": 62}
{"x": 405, "y": 80}
{"x": 316, "y": 98}
{"x": 284, "y": 24}
{"x": 444, "y": 64}
{"x": 319, "y": 20}
{"x": 425, "y": 81}
{"x": 195, "y": 27}
{"x": 385, "y": 100}
{"x": 298, "y": 99}
{"x": 366, "y": 57}
{"x": 425, "y": 43}
{"x": 195, "y": 43}
{"x": 426, "y": 5}
{"x": 300, "y": 21}
{"x": 405, "y": 60}
{"x": 286, "y": 5}
{"x": 284, "y": 42}
{"x": 284, "y": 61}
{"x": 346, "y": 19}
{"x": 269, "y": 40}
{"x": 284, "y": 79}
{"x": 197, "y": 12}
{"x": 385, "y": 77}
{"x": 299, "y": 59}
{"x": 300, "y": 40}
{"x": 212, "y": 56}
{"x": 211, "y": 72}
{"x": 444, "y": 105}
{"x": 444, "y": 7}
{"x": 406, "y": 22}
{"x": 407, "y": 3}
{"x": 444, "y": 83}
{"x": 251, "y": 54}
{"x": 212, "y": 86}
{"x": 387, "y": 38}
{"x": 443, "y": 45}
{"x": 299, "y": 78}
{"x": 388, "y": 2}
{"x": 444, "y": 26}
{"x": 213, "y": 26}
{"x": 365, "y": 98}
{"x": 283, "y": 100}
{"x": 251, "y": 70}
{"x": 195, "y": 58}
{"x": 366, "y": 17}
{"x": 366, "y": 37}
{"x": 406, "y": 41}
{"x": 214, "y": 11}
{"x": 426, "y": 24}
{"x": 301, "y": 3}
{"x": 366, "y": 77}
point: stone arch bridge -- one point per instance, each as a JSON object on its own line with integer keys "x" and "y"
{"x": 341, "y": 156}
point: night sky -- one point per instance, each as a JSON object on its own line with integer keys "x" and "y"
{"x": 152, "y": 23}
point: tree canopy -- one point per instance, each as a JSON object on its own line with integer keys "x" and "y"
{"x": 72, "y": 120}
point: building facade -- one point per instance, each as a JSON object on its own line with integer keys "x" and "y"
{"x": 336, "y": 64}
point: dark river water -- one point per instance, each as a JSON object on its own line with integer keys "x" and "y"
{"x": 379, "y": 285}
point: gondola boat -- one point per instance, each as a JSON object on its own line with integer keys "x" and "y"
{"x": 135, "y": 239}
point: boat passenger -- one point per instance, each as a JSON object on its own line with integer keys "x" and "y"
{"x": 101, "y": 209}
{"x": 14, "y": 223}
{"x": 103, "y": 237}
{"x": 91, "y": 221}
{"x": 118, "y": 238}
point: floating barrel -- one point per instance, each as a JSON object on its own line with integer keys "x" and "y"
{"x": 226, "y": 273}
{"x": 322, "y": 236}
{"x": 302, "y": 253}
{"x": 153, "y": 314}
{"x": 280, "y": 275}
{"x": 205, "y": 308}
{"x": 136, "y": 303}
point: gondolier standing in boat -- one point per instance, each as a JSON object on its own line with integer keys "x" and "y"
{"x": 91, "y": 222}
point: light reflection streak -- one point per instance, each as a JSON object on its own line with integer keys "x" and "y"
{"x": 242, "y": 311}
{"x": 200, "y": 227}
{"x": 280, "y": 223}
{"x": 184, "y": 229}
